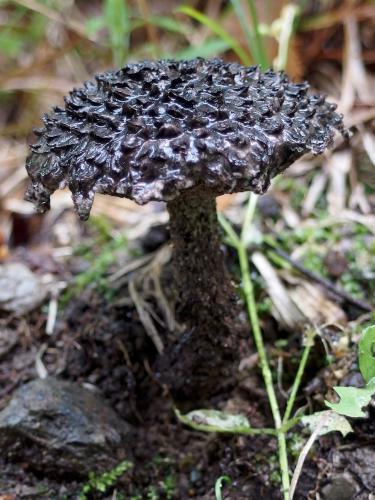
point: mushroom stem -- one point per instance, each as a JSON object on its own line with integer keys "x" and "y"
{"x": 206, "y": 300}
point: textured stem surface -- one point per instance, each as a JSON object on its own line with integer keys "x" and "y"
{"x": 206, "y": 300}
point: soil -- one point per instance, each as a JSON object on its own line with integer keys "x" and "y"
{"x": 105, "y": 346}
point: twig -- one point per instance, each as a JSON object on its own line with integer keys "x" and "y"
{"x": 303, "y": 455}
{"x": 52, "y": 315}
{"x": 145, "y": 318}
{"x": 361, "y": 304}
{"x": 129, "y": 267}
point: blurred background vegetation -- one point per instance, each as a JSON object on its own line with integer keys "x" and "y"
{"x": 319, "y": 215}
{"x": 49, "y": 46}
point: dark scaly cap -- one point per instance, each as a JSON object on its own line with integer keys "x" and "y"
{"x": 153, "y": 129}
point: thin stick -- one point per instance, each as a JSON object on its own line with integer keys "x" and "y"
{"x": 361, "y": 304}
{"x": 303, "y": 455}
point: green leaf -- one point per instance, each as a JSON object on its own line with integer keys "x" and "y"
{"x": 215, "y": 421}
{"x": 218, "y": 30}
{"x": 219, "y": 485}
{"x": 117, "y": 20}
{"x": 367, "y": 353}
{"x": 207, "y": 49}
{"x": 253, "y": 36}
{"x": 169, "y": 24}
{"x": 263, "y": 59}
{"x": 332, "y": 422}
{"x": 251, "y": 40}
{"x": 10, "y": 45}
{"x": 93, "y": 25}
{"x": 102, "y": 487}
{"x": 353, "y": 399}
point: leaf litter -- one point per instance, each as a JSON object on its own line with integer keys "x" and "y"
{"x": 92, "y": 342}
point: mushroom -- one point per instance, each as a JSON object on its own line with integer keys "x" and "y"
{"x": 182, "y": 132}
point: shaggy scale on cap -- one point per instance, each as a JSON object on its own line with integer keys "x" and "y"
{"x": 154, "y": 129}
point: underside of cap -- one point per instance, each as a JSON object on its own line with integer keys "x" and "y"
{"x": 154, "y": 129}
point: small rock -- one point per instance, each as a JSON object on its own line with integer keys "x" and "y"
{"x": 8, "y": 340}
{"x": 268, "y": 206}
{"x": 60, "y": 428}
{"x": 340, "y": 487}
{"x": 21, "y": 290}
{"x": 155, "y": 237}
{"x": 362, "y": 464}
{"x": 336, "y": 263}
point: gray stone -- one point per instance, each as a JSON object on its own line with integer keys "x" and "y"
{"x": 340, "y": 487}
{"x": 362, "y": 465}
{"x": 8, "y": 340}
{"x": 59, "y": 428}
{"x": 21, "y": 290}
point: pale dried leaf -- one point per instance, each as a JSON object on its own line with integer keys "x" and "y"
{"x": 339, "y": 167}
{"x": 315, "y": 191}
{"x": 283, "y": 307}
{"x": 358, "y": 199}
{"x": 315, "y": 306}
{"x": 369, "y": 144}
{"x": 20, "y": 290}
{"x": 355, "y": 79}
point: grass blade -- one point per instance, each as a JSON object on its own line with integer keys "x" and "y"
{"x": 209, "y": 48}
{"x": 251, "y": 40}
{"x": 263, "y": 59}
{"x": 219, "y": 486}
{"x": 117, "y": 21}
{"x": 218, "y": 30}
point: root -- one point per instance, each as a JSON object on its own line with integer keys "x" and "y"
{"x": 143, "y": 277}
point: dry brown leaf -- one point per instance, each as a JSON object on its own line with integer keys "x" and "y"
{"x": 356, "y": 82}
{"x": 315, "y": 306}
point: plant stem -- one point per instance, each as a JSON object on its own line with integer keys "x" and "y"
{"x": 266, "y": 371}
{"x": 297, "y": 380}
{"x": 281, "y": 426}
{"x": 250, "y": 37}
{"x": 249, "y": 216}
{"x": 216, "y": 28}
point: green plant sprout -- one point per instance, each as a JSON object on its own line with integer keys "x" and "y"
{"x": 107, "y": 246}
{"x": 102, "y": 483}
{"x": 219, "y": 486}
{"x": 352, "y": 399}
{"x": 212, "y": 421}
{"x": 282, "y": 30}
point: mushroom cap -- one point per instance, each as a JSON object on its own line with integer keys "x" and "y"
{"x": 154, "y": 129}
